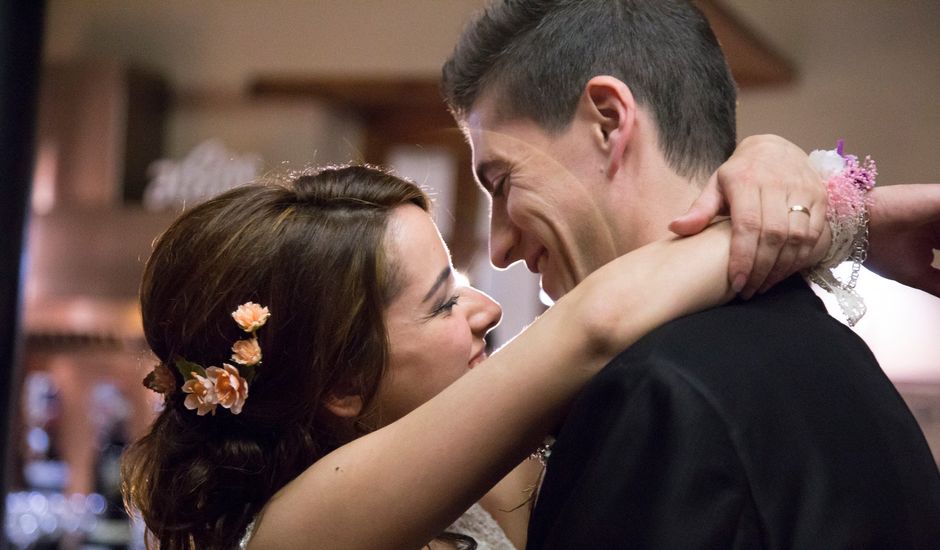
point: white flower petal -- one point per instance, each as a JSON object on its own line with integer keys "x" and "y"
{"x": 826, "y": 163}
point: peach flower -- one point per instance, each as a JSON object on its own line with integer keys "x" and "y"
{"x": 250, "y": 316}
{"x": 246, "y": 352}
{"x": 230, "y": 387}
{"x": 202, "y": 394}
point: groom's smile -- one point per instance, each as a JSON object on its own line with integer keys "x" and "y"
{"x": 544, "y": 207}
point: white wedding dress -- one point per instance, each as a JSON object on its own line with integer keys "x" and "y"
{"x": 479, "y": 524}
{"x": 475, "y": 522}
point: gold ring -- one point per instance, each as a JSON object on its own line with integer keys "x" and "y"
{"x": 799, "y": 208}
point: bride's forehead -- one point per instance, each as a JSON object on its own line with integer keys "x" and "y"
{"x": 412, "y": 230}
{"x": 414, "y": 244}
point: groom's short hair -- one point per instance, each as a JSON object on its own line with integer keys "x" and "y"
{"x": 537, "y": 56}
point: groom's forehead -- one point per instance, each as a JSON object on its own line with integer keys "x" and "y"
{"x": 501, "y": 147}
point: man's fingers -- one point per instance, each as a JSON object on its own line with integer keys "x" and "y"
{"x": 708, "y": 204}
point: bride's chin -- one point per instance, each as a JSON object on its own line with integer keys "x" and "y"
{"x": 480, "y": 357}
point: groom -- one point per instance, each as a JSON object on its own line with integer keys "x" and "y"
{"x": 760, "y": 424}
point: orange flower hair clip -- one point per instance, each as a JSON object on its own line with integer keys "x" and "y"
{"x": 207, "y": 388}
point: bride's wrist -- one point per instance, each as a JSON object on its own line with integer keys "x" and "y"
{"x": 849, "y": 182}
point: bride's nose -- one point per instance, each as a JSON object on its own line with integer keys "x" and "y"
{"x": 485, "y": 312}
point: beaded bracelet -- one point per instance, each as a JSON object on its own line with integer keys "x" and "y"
{"x": 848, "y": 182}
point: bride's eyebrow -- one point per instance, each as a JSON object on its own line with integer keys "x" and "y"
{"x": 441, "y": 279}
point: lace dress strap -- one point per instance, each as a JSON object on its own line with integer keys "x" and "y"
{"x": 246, "y": 538}
{"x": 479, "y": 524}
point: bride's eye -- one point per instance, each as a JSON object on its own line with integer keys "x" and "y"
{"x": 447, "y": 306}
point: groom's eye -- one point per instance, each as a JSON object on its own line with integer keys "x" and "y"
{"x": 499, "y": 186}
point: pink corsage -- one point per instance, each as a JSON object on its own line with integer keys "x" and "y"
{"x": 847, "y": 182}
{"x": 207, "y": 388}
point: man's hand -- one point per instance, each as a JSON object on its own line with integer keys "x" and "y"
{"x": 764, "y": 177}
{"x": 904, "y": 231}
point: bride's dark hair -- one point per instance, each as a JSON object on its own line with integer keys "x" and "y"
{"x": 311, "y": 250}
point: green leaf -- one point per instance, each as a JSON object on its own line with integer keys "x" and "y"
{"x": 248, "y": 372}
{"x": 187, "y": 368}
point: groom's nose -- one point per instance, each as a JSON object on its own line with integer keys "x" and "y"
{"x": 504, "y": 237}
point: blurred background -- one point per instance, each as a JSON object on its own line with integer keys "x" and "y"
{"x": 144, "y": 107}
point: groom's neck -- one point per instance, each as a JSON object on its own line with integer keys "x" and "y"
{"x": 645, "y": 199}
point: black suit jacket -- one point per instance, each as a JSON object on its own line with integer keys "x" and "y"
{"x": 759, "y": 424}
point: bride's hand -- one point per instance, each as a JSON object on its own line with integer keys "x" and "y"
{"x": 764, "y": 177}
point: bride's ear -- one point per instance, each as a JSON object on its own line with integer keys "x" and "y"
{"x": 344, "y": 406}
{"x": 612, "y": 108}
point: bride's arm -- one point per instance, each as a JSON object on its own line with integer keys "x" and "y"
{"x": 402, "y": 485}
{"x": 511, "y": 500}
{"x": 905, "y": 231}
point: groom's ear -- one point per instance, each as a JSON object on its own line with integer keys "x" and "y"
{"x": 612, "y": 108}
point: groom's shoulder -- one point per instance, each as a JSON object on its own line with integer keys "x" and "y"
{"x": 765, "y": 345}
{"x": 790, "y": 316}
{"x": 749, "y": 360}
